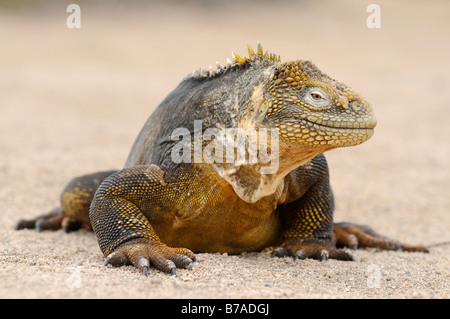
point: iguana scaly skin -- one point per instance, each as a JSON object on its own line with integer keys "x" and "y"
{"x": 157, "y": 211}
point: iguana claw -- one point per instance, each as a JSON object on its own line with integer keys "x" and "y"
{"x": 142, "y": 253}
{"x": 323, "y": 255}
{"x": 300, "y": 254}
{"x": 302, "y": 248}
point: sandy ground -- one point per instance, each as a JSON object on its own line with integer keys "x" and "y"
{"x": 73, "y": 100}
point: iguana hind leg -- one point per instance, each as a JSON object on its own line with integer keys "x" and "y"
{"x": 50, "y": 221}
{"x": 75, "y": 200}
{"x": 354, "y": 236}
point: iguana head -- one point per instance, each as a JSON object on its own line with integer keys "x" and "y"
{"x": 308, "y": 107}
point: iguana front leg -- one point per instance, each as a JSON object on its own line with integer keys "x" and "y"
{"x": 308, "y": 231}
{"x": 124, "y": 233}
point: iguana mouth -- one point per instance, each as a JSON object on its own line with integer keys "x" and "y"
{"x": 320, "y": 125}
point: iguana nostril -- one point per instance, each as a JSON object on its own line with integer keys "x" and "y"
{"x": 356, "y": 106}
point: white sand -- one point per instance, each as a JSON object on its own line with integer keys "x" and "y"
{"x": 73, "y": 101}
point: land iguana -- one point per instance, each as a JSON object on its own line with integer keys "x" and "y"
{"x": 173, "y": 198}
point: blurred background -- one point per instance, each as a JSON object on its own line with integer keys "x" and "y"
{"x": 72, "y": 101}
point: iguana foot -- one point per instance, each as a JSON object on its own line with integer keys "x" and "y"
{"x": 73, "y": 212}
{"x": 301, "y": 248}
{"x": 54, "y": 220}
{"x": 142, "y": 253}
{"x": 354, "y": 236}
{"x": 50, "y": 221}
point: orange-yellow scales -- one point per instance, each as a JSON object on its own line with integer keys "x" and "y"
{"x": 314, "y": 127}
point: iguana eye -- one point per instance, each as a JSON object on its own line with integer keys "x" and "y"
{"x": 317, "y": 97}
